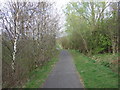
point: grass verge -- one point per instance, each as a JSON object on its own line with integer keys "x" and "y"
{"x": 38, "y": 76}
{"x": 108, "y": 60}
{"x": 94, "y": 75}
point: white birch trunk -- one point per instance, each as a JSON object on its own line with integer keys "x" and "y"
{"x": 15, "y": 45}
{"x": 14, "y": 52}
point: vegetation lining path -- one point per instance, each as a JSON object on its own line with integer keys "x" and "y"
{"x": 94, "y": 75}
{"x": 64, "y": 74}
{"x": 39, "y": 75}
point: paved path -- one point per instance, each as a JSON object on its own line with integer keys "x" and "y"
{"x": 64, "y": 74}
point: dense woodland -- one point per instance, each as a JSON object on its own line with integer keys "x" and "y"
{"x": 93, "y": 28}
{"x": 28, "y": 39}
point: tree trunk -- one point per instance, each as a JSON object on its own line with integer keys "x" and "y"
{"x": 113, "y": 47}
{"x": 14, "y": 52}
{"x": 85, "y": 43}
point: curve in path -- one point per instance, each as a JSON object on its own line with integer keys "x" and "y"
{"x": 64, "y": 73}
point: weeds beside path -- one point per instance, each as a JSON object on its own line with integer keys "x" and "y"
{"x": 94, "y": 75}
{"x": 38, "y": 76}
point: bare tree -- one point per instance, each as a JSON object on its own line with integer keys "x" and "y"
{"x": 29, "y": 38}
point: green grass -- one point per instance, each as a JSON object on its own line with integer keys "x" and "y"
{"x": 107, "y": 60}
{"x": 94, "y": 75}
{"x": 39, "y": 75}
{"x": 105, "y": 57}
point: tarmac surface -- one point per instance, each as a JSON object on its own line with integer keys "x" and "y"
{"x": 64, "y": 74}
